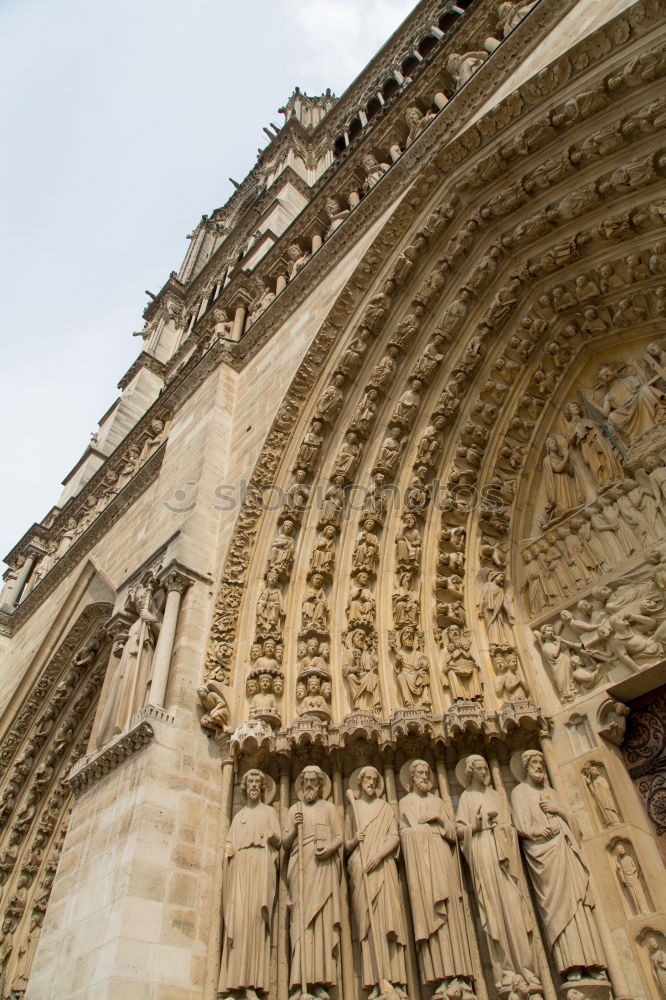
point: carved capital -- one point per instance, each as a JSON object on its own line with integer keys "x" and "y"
{"x": 175, "y": 580}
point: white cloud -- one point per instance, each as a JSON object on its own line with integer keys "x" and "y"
{"x": 339, "y": 37}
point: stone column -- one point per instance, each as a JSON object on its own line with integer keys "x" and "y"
{"x": 440, "y": 100}
{"x": 284, "y": 765}
{"x": 354, "y": 199}
{"x": 280, "y": 283}
{"x": 317, "y": 241}
{"x": 395, "y": 152}
{"x": 445, "y": 795}
{"x": 349, "y": 991}
{"x": 12, "y": 594}
{"x": 239, "y": 322}
{"x": 176, "y": 584}
{"x": 391, "y": 788}
{"x": 551, "y": 761}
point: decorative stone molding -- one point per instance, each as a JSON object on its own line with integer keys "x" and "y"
{"x": 252, "y": 735}
{"x": 156, "y": 713}
{"x": 91, "y": 768}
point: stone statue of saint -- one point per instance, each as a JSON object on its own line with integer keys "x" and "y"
{"x": 557, "y": 870}
{"x": 490, "y": 845}
{"x": 130, "y": 684}
{"x": 600, "y": 791}
{"x": 412, "y": 668}
{"x": 428, "y": 836}
{"x": 359, "y": 669}
{"x": 460, "y": 671}
{"x": 658, "y": 963}
{"x": 248, "y": 894}
{"x": 270, "y": 609}
{"x": 372, "y": 842}
{"x": 313, "y": 883}
{"x": 629, "y": 876}
{"x": 494, "y": 608}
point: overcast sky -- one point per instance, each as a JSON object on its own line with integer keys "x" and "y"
{"x": 120, "y": 124}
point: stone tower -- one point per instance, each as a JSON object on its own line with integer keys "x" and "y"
{"x": 338, "y": 669}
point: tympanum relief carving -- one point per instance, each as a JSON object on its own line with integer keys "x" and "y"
{"x": 593, "y": 566}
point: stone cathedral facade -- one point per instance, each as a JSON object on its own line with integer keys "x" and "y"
{"x": 339, "y": 669}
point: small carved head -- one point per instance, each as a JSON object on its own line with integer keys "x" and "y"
{"x": 420, "y": 776}
{"x": 358, "y": 638}
{"x": 313, "y": 685}
{"x": 253, "y": 785}
{"x": 370, "y": 782}
{"x": 476, "y": 769}
{"x": 312, "y": 779}
{"x": 533, "y": 765}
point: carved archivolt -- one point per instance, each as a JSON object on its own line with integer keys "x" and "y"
{"x": 438, "y": 401}
{"x": 49, "y": 735}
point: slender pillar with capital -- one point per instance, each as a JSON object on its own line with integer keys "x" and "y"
{"x": 284, "y": 767}
{"x": 239, "y": 323}
{"x": 176, "y": 584}
{"x": 16, "y": 581}
{"x": 346, "y": 952}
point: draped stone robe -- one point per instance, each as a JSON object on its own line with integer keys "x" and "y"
{"x": 560, "y": 878}
{"x": 435, "y": 892}
{"x": 493, "y": 856}
{"x": 377, "y": 821}
{"x": 248, "y": 895}
{"x": 321, "y": 889}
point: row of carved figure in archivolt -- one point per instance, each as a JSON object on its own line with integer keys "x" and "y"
{"x": 465, "y": 251}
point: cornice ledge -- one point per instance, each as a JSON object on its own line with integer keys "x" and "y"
{"x": 89, "y": 769}
{"x": 144, "y": 360}
{"x": 146, "y": 475}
